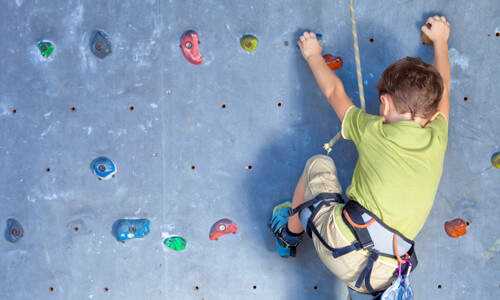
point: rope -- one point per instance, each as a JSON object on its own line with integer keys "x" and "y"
{"x": 328, "y": 146}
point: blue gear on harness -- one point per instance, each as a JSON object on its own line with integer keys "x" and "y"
{"x": 373, "y": 235}
{"x": 285, "y": 243}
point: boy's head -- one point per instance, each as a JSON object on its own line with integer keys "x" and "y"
{"x": 414, "y": 86}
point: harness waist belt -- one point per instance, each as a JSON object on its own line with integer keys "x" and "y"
{"x": 378, "y": 234}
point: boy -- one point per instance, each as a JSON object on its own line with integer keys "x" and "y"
{"x": 401, "y": 155}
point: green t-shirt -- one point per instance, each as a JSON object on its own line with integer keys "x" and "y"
{"x": 399, "y": 167}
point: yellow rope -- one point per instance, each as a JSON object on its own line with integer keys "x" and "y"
{"x": 328, "y": 146}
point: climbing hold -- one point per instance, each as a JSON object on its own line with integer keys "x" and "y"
{"x": 189, "y": 45}
{"x": 495, "y": 160}
{"x": 334, "y": 63}
{"x": 455, "y": 228}
{"x": 132, "y": 229}
{"x": 14, "y": 231}
{"x": 45, "y": 48}
{"x": 249, "y": 43}
{"x": 176, "y": 243}
{"x": 425, "y": 39}
{"x": 100, "y": 44}
{"x": 222, "y": 227}
{"x": 103, "y": 167}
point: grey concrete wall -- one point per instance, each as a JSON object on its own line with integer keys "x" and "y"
{"x": 178, "y": 115}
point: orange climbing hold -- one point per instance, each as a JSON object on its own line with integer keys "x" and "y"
{"x": 455, "y": 228}
{"x": 334, "y": 63}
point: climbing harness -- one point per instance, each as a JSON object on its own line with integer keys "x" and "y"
{"x": 328, "y": 146}
{"x": 370, "y": 232}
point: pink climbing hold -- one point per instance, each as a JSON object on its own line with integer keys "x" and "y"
{"x": 189, "y": 45}
{"x": 222, "y": 227}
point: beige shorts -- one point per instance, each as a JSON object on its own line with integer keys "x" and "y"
{"x": 320, "y": 176}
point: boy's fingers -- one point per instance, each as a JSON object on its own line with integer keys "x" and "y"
{"x": 312, "y": 34}
{"x": 443, "y": 18}
{"x": 425, "y": 29}
{"x": 430, "y": 20}
{"x": 437, "y": 18}
{"x": 302, "y": 38}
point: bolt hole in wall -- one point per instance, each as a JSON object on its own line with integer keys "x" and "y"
{"x": 106, "y": 289}
{"x": 254, "y": 287}
{"x": 279, "y": 104}
{"x": 372, "y": 40}
{"x": 315, "y": 287}
{"x": 76, "y": 229}
{"x": 249, "y": 167}
{"x": 131, "y": 107}
{"x": 286, "y": 43}
{"x": 497, "y": 34}
{"x": 196, "y": 288}
{"x": 223, "y": 105}
{"x": 14, "y": 111}
{"x": 51, "y": 289}
{"x": 466, "y": 98}
{"x": 73, "y": 108}
{"x": 439, "y": 287}
{"x": 193, "y": 167}
{"x": 47, "y": 170}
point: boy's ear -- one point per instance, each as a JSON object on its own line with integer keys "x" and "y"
{"x": 385, "y": 108}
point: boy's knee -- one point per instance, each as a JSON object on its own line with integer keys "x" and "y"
{"x": 320, "y": 176}
{"x": 323, "y": 162}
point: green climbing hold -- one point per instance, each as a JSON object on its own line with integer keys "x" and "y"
{"x": 495, "y": 160}
{"x": 45, "y": 48}
{"x": 249, "y": 43}
{"x": 176, "y": 242}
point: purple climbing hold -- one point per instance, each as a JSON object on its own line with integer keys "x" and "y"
{"x": 14, "y": 231}
{"x": 100, "y": 44}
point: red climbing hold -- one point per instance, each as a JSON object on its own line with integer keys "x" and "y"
{"x": 189, "y": 45}
{"x": 222, "y": 227}
{"x": 334, "y": 63}
{"x": 455, "y": 228}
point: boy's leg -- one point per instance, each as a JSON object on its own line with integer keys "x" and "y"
{"x": 294, "y": 224}
{"x": 319, "y": 176}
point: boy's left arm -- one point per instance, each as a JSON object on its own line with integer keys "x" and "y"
{"x": 329, "y": 83}
{"x": 438, "y": 31}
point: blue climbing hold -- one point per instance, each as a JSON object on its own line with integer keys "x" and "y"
{"x": 103, "y": 167}
{"x": 14, "y": 231}
{"x": 132, "y": 229}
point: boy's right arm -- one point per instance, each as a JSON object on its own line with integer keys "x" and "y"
{"x": 329, "y": 83}
{"x": 438, "y": 33}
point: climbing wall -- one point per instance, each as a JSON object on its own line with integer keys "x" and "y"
{"x": 228, "y": 138}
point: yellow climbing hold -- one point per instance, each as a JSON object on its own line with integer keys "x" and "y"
{"x": 249, "y": 43}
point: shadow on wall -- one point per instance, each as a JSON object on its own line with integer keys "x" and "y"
{"x": 278, "y": 167}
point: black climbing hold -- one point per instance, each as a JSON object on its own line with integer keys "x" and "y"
{"x": 100, "y": 44}
{"x": 14, "y": 231}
